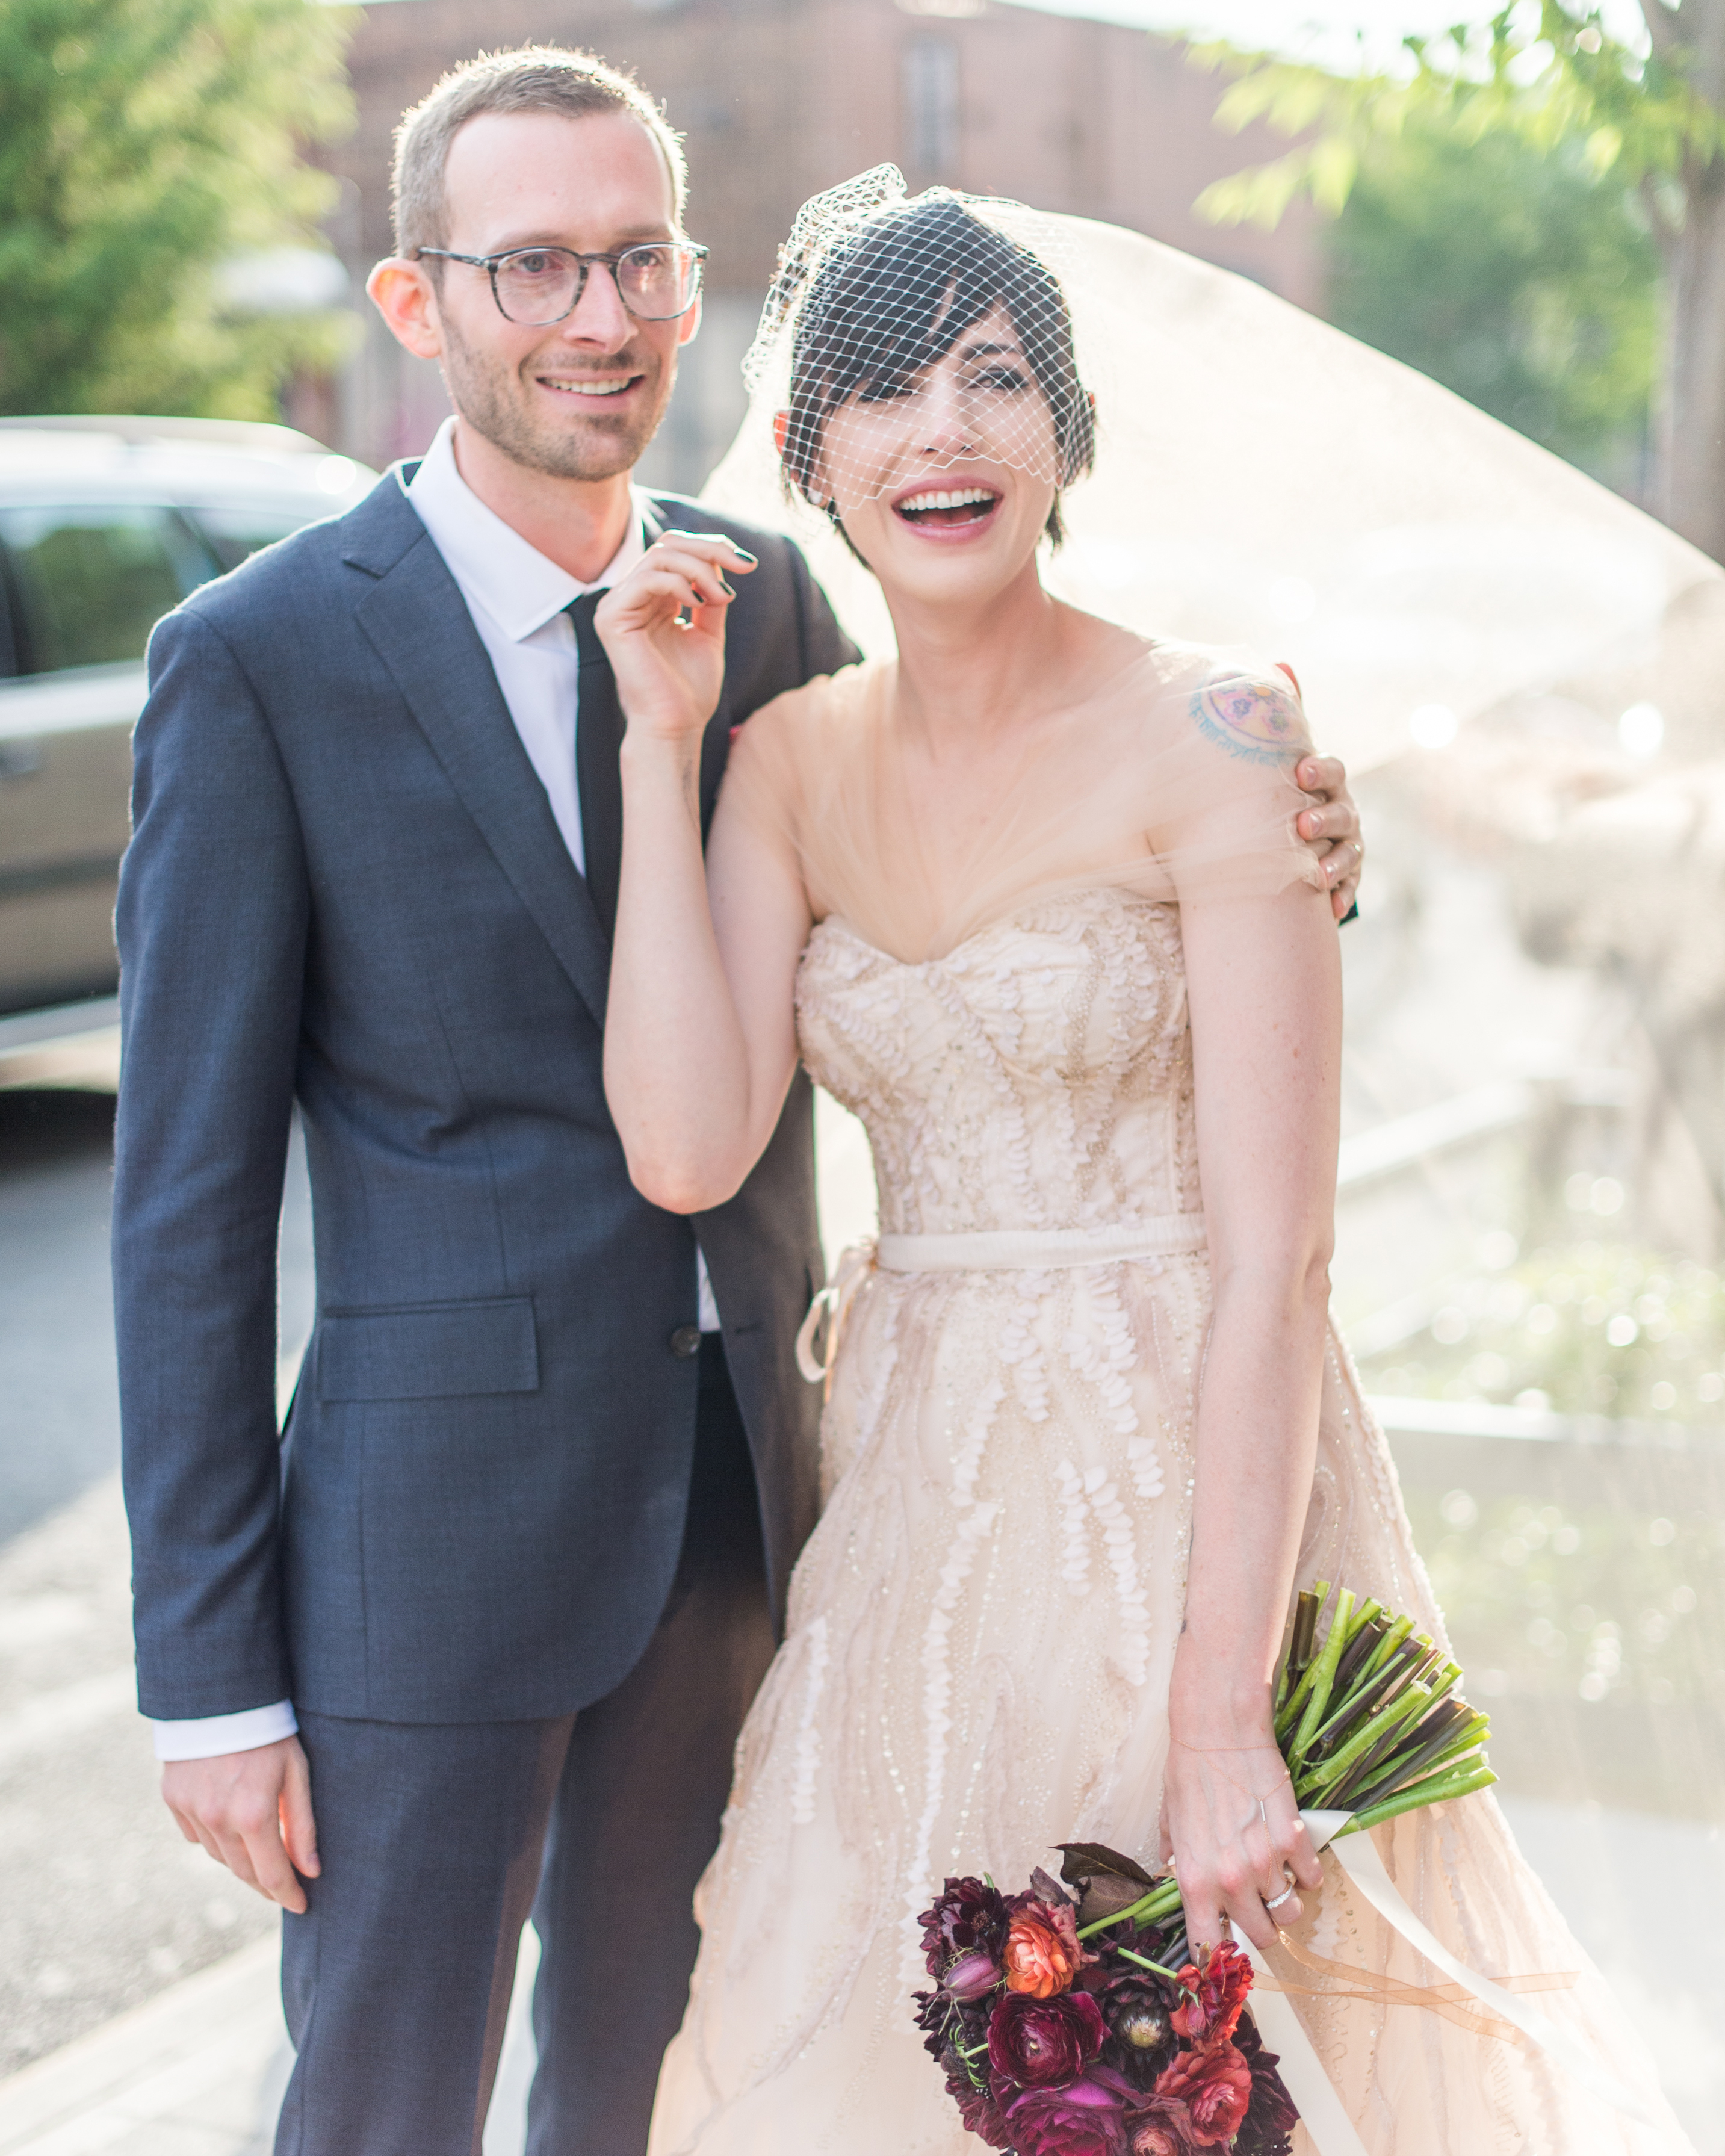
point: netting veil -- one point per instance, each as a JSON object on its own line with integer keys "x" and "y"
{"x": 904, "y": 335}
{"x": 1260, "y": 481}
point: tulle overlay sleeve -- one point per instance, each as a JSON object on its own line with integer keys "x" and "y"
{"x": 1173, "y": 780}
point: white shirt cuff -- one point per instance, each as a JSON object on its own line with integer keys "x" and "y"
{"x": 213, "y": 1734}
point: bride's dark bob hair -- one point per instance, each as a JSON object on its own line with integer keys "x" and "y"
{"x": 893, "y": 297}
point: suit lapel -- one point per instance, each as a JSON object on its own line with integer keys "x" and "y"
{"x": 418, "y": 624}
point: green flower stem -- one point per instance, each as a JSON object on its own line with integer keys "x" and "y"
{"x": 1163, "y": 1898}
{"x": 1143, "y": 1961}
{"x": 1441, "y": 1789}
{"x": 1325, "y": 1666}
{"x": 1387, "y": 1646}
{"x": 1412, "y": 1699}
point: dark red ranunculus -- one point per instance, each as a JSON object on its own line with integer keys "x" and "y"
{"x": 969, "y": 1913}
{"x": 977, "y": 2109}
{"x": 1215, "y": 2086}
{"x": 1034, "y": 2041}
{"x": 1216, "y": 1990}
{"x": 1163, "y": 2127}
{"x": 1085, "y": 2117}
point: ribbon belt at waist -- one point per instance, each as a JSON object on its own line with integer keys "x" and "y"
{"x": 1002, "y": 1250}
{"x": 1029, "y": 1249}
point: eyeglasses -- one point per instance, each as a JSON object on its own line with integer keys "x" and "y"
{"x": 535, "y": 286}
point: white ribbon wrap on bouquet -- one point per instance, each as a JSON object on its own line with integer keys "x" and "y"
{"x": 1332, "y": 2131}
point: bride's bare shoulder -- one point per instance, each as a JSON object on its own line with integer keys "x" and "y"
{"x": 1230, "y": 699}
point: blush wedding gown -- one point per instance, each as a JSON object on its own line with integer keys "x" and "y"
{"x": 982, "y": 1627}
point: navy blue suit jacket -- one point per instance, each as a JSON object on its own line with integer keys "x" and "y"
{"x": 346, "y": 889}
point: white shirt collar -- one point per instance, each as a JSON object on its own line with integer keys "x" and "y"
{"x": 519, "y": 587}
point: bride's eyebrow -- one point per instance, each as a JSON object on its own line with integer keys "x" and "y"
{"x": 992, "y": 351}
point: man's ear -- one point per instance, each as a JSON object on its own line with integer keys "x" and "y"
{"x": 402, "y": 293}
{"x": 689, "y": 325}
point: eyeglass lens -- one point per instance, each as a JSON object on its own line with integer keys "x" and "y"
{"x": 541, "y": 284}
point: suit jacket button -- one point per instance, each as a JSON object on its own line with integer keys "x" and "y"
{"x": 685, "y": 1342}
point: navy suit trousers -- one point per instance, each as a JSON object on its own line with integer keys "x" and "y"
{"x": 437, "y": 1841}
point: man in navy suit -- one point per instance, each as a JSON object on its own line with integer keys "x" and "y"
{"x": 500, "y": 1599}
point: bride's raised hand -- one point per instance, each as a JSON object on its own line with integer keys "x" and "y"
{"x": 1232, "y": 1829}
{"x": 663, "y": 628}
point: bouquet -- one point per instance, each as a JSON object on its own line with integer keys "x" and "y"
{"x": 1077, "y": 2023}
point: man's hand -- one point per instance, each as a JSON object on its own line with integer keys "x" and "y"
{"x": 252, "y": 1811}
{"x": 1331, "y": 829}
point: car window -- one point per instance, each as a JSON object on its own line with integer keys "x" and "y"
{"x": 237, "y": 531}
{"x": 89, "y": 583}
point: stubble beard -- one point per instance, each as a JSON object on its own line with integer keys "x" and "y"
{"x": 492, "y": 399}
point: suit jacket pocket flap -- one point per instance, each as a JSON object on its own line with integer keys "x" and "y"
{"x": 428, "y": 1351}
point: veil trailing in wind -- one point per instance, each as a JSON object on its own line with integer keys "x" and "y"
{"x": 1525, "y": 675}
{"x": 1262, "y": 480}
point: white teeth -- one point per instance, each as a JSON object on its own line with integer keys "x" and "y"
{"x": 587, "y": 388}
{"x": 962, "y": 498}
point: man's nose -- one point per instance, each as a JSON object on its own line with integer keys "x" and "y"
{"x": 599, "y": 317}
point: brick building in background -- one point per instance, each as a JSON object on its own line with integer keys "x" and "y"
{"x": 779, "y": 99}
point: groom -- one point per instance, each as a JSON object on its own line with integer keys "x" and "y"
{"x": 475, "y": 1639}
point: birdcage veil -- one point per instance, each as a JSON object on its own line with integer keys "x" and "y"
{"x": 876, "y": 292}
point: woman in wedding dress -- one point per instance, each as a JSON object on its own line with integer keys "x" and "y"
{"x": 1028, "y": 899}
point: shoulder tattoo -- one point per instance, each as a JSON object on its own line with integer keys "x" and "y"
{"x": 1253, "y": 719}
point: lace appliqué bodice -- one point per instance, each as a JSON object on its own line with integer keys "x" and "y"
{"x": 1038, "y": 1076}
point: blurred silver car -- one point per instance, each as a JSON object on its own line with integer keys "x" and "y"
{"x": 106, "y": 524}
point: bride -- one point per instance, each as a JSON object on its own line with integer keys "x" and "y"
{"x": 1026, "y": 899}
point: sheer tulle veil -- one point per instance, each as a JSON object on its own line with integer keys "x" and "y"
{"x": 1263, "y": 481}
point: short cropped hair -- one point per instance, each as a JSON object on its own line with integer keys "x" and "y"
{"x": 896, "y": 295}
{"x": 534, "y": 79}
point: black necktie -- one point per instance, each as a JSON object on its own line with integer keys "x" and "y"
{"x": 598, "y": 741}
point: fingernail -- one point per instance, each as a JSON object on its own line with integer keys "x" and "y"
{"x": 725, "y": 586}
{"x": 742, "y": 553}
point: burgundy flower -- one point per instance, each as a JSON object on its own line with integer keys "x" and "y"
{"x": 970, "y": 1914}
{"x": 1136, "y": 2010}
{"x": 1271, "y": 2116}
{"x": 1215, "y": 2086}
{"x": 977, "y": 2109}
{"x": 1085, "y": 2117}
{"x": 1034, "y": 2041}
{"x": 1216, "y": 1988}
{"x": 1163, "y": 2127}
{"x": 974, "y": 1975}
{"x": 1042, "y": 1953}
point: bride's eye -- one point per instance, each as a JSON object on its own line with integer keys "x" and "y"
{"x": 1001, "y": 377}
{"x": 887, "y": 390}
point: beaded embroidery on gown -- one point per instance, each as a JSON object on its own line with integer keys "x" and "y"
{"x": 982, "y": 1627}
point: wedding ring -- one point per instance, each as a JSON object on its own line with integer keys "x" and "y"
{"x": 1285, "y": 1895}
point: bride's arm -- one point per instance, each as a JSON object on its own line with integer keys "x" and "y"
{"x": 1265, "y": 989}
{"x": 700, "y": 1025}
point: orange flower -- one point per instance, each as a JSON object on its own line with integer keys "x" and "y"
{"x": 1042, "y": 1953}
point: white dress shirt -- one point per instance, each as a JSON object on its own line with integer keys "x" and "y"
{"x": 516, "y": 597}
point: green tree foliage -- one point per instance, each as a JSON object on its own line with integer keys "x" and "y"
{"x": 142, "y": 144}
{"x": 1522, "y": 278}
{"x": 1553, "y": 75}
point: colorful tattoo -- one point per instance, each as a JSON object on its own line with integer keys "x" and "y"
{"x": 1251, "y": 718}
